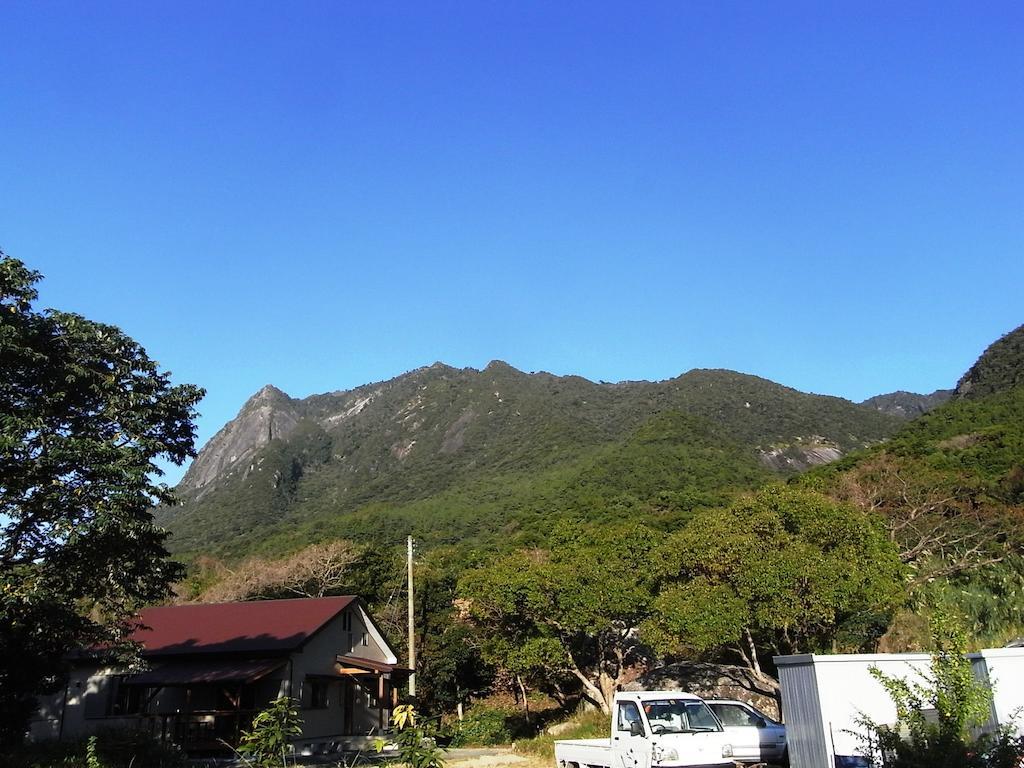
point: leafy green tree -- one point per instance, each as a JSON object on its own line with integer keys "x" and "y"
{"x": 570, "y": 611}
{"x": 84, "y": 415}
{"x": 783, "y": 571}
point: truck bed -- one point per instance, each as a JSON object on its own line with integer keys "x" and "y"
{"x": 583, "y": 752}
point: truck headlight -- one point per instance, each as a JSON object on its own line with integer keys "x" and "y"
{"x": 662, "y": 755}
{"x": 727, "y": 750}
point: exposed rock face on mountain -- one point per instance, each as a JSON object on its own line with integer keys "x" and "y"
{"x": 493, "y": 440}
{"x": 908, "y": 405}
{"x": 999, "y": 369}
{"x": 801, "y": 454}
{"x": 269, "y": 414}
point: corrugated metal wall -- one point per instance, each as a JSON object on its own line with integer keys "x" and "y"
{"x": 801, "y": 709}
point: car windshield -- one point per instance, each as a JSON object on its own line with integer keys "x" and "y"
{"x": 680, "y": 716}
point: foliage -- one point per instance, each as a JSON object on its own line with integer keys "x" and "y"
{"x": 935, "y": 718}
{"x": 585, "y": 724}
{"x": 485, "y": 725}
{"x": 449, "y": 650}
{"x": 784, "y": 571}
{"x": 84, "y": 415}
{"x": 941, "y": 520}
{"x": 111, "y": 748}
{"x": 1000, "y": 367}
{"x": 92, "y": 758}
{"x": 268, "y": 742}
{"x": 417, "y": 747}
{"x": 949, "y": 488}
{"x": 571, "y": 611}
{"x": 315, "y": 571}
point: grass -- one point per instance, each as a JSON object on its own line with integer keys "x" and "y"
{"x": 586, "y": 724}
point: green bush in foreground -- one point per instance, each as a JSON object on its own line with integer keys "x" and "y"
{"x": 484, "y": 726}
{"x": 113, "y": 748}
{"x": 268, "y": 742}
{"x": 416, "y": 744}
{"x": 586, "y": 724}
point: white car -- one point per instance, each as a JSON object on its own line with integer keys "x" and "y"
{"x": 755, "y": 737}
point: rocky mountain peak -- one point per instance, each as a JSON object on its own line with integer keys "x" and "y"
{"x": 1000, "y": 367}
{"x": 268, "y": 414}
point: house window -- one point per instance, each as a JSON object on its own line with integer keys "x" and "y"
{"x": 128, "y": 700}
{"x": 364, "y": 640}
{"x": 318, "y": 694}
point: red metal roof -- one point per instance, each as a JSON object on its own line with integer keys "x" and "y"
{"x": 266, "y": 626}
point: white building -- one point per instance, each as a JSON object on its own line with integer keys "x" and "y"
{"x": 824, "y": 697}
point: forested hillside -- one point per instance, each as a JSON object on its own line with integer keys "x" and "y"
{"x": 949, "y": 487}
{"x": 572, "y": 534}
{"x": 451, "y": 454}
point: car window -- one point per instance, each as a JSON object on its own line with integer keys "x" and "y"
{"x": 679, "y": 716}
{"x": 700, "y": 717}
{"x": 734, "y": 715}
{"x": 629, "y": 712}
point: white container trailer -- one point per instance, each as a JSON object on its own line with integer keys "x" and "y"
{"x": 824, "y": 697}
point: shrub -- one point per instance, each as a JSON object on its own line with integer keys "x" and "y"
{"x": 111, "y": 748}
{"x": 268, "y": 742}
{"x": 417, "y": 747}
{"x": 585, "y": 724}
{"x": 483, "y": 726}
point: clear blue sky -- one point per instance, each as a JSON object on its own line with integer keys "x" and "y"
{"x": 318, "y": 195}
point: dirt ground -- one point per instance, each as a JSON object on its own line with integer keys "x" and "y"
{"x": 486, "y": 758}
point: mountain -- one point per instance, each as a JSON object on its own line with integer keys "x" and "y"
{"x": 999, "y": 369}
{"x": 466, "y": 453}
{"x": 908, "y": 405}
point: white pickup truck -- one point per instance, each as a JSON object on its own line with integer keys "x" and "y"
{"x": 651, "y": 729}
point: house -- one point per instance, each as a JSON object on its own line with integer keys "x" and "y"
{"x": 825, "y": 698}
{"x": 210, "y": 668}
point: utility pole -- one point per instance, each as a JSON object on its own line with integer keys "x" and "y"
{"x": 412, "y": 629}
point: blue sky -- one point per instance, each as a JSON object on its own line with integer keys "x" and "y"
{"x": 319, "y": 195}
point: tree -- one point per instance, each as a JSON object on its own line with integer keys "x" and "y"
{"x": 784, "y": 571}
{"x": 314, "y": 571}
{"x": 84, "y": 415}
{"x": 571, "y": 611}
{"x": 942, "y": 520}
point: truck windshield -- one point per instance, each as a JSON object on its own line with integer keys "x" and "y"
{"x": 680, "y": 716}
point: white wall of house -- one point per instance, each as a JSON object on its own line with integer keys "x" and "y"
{"x": 316, "y": 662}
{"x": 82, "y": 706}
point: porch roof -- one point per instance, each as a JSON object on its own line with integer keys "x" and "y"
{"x": 180, "y": 673}
{"x": 357, "y": 664}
